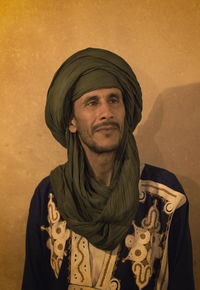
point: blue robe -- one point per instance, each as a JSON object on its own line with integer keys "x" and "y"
{"x": 155, "y": 254}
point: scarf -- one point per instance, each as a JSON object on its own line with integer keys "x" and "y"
{"x": 100, "y": 213}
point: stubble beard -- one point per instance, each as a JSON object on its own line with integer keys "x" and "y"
{"x": 87, "y": 138}
{"x": 96, "y": 148}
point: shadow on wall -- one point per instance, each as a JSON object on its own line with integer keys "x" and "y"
{"x": 170, "y": 138}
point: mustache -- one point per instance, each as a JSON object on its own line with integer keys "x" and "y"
{"x": 107, "y": 123}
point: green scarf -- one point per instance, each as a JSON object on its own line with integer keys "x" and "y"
{"x": 100, "y": 213}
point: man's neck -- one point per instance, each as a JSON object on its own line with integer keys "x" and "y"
{"x": 100, "y": 165}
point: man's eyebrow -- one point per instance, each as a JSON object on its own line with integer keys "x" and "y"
{"x": 96, "y": 97}
{"x": 90, "y": 98}
{"x": 114, "y": 95}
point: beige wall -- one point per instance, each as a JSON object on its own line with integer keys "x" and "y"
{"x": 160, "y": 40}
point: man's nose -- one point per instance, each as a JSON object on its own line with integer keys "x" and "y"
{"x": 105, "y": 111}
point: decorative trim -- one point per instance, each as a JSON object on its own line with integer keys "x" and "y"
{"x": 81, "y": 271}
{"x": 145, "y": 246}
{"x": 158, "y": 249}
{"x": 58, "y": 235}
{"x": 172, "y": 199}
{"x": 80, "y": 263}
{"x": 106, "y": 281}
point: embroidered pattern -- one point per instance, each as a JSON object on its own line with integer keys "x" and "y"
{"x": 171, "y": 201}
{"x": 114, "y": 284}
{"x": 80, "y": 267}
{"x": 142, "y": 193}
{"x": 144, "y": 246}
{"x": 58, "y": 235}
{"x": 171, "y": 198}
{"x": 106, "y": 280}
{"x": 81, "y": 271}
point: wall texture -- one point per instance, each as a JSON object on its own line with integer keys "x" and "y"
{"x": 160, "y": 40}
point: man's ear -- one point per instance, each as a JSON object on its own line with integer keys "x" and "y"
{"x": 72, "y": 126}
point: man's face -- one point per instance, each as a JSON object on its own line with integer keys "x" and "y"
{"x": 99, "y": 119}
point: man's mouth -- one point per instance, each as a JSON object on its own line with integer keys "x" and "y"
{"x": 106, "y": 126}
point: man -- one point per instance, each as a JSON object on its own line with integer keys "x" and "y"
{"x": 100, "y": 221}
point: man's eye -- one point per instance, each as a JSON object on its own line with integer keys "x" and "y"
{"x": 113, "y": 101}
{"x": 92, "y": 103}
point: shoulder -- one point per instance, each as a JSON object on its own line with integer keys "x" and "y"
{"x": 42, "y": 191}
{"x": 44, "y": 186}
{"x": 161, "y": 183}
{"x": 38, "y": 209}
{"x": 162, "y": 176}
{"x": 44, "y": 183}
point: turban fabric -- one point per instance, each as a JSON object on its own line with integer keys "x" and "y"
{"x": 100, "y": 213}
{"x": 79, "y": 65}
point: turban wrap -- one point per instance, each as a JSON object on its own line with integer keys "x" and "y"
{"x": 100, "y": 213}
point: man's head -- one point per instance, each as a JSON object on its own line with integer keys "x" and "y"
{"x": 98, "y": 118}
{"x": 88, "y": 71}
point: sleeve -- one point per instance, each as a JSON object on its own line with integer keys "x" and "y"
{"x": 33, "y": 270}
{"x": 180, "y": 251}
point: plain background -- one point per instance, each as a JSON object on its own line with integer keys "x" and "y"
{"x": 159, "y": 39}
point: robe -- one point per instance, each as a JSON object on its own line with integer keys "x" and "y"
{"x": 155, "y": 254}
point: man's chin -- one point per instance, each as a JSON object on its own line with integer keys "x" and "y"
{"x": 104, "y": 148}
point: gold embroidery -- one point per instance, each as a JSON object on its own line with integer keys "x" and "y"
{"x": 105, "y": 270}
{"x": 152, "y": 219}
{"x": 106, "y": 280}
{"x": 81, "y": 261}
{"x": 80, "y": 265}
{"x": 162, "y": 189}
{"x": 142, "y": 196}
{"x": 171, "y": 198}
{"x": 114, "y": 284}
{"x": 58, "y": 235}
{"x": 144, "y": 246}
{"x": 142, "y": 273}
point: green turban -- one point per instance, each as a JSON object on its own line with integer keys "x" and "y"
{"x": 102, "y": 214}
{"x": 90, "y": 69}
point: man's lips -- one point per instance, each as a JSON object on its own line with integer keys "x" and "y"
{"x": 106, "y": 128}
